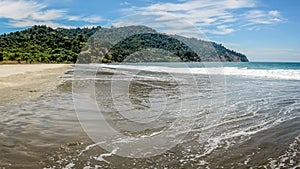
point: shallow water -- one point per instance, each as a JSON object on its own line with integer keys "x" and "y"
{"x": 240, "y": 122}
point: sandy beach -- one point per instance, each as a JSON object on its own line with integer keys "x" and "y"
{"x": 20, "y": 82}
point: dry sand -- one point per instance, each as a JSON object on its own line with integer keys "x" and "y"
{"x": 19, "y": 82}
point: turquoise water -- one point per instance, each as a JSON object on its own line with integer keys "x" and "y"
{"x": 248, "y": 65}
{"x": 270, "y": 70}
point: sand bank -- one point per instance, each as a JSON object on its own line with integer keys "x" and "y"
{"x": 19, "y": 82}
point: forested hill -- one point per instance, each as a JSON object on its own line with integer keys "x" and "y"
{"x": 43, "y": 44}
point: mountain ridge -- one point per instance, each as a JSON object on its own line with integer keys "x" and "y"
{"x": 43, "y": 44}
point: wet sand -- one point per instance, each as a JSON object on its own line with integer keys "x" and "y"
{"x": 20, "y": 82}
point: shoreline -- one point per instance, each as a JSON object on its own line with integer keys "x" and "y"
{"x": 28, "y": 81}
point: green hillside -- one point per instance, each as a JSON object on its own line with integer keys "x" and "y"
{"x": 43, "y": 44}
{"x": 40, "y": 44}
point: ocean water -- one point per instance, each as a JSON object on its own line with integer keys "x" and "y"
{"x": 160, "y": 115}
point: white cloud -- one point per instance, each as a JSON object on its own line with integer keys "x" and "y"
{"x": 90, "y": 19}
{"x": 274, "y": 13}
{"x": 47, "y": 15}
{"x": 222, "y": 30}
{"x": 22, "y": 13}
{"x": 255, "y": 17}
{"x": 125, "y": 3}
{"x": 74, "y": 18}
{"x": 214, "y": 16}
{"x": 26, "y": 23}
{"x": 19, "y": 9}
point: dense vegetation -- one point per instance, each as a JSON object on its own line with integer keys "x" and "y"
{"x": 73, "y": 33}
{"x": 116, "y": 44}
{"x": 139, "y": 42}
{"x": 98, "y": 45}
{"x": 211, "y": 51}
{"x": 95, "y": 45}
{"x": 40, "y": 44}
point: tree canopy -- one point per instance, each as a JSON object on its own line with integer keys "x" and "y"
{"x": 105, "y": 45}
{"x": 44, "y": 44}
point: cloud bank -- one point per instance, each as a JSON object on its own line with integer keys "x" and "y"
{"x": 217, "y": 17}
{"x": 210, "y": 16}
{"x": 21, "y": 13}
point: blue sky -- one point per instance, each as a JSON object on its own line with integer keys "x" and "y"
{"x": 262, "y": 29}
